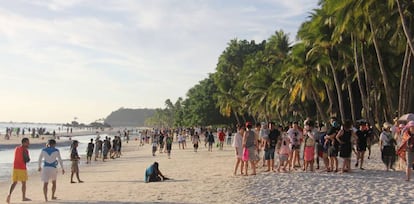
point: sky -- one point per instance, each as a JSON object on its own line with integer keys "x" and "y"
{"x": 61, "y": 59}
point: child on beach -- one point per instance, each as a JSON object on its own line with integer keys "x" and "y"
{"x": 196, "y": 140}
{"x": 154, "y": 147}
{"x": 284, "y": 153}
{"x": 168, "y": 141}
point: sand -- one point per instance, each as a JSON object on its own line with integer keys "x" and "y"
{"x": 206, "y": 177}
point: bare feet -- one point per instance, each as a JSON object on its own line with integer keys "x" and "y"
{"x": 27, "y": 199}
{"x": 8, "y": 199}
{"x": 54, "y": 198}
{"x": 80, "y": 181}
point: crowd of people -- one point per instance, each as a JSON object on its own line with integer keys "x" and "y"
{"x": 315, "y": 142}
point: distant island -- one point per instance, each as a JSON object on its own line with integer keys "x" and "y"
{"x": 124, "y": 117}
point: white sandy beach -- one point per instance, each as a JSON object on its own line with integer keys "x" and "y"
{"x": 206, "y": 177}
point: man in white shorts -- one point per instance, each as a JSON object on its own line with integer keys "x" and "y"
{"x": 50, "y": 156}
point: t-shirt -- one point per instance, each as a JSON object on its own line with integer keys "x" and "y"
{"x": 90, "y": 147}
{"x": 21, "y": 157}
{"x": 385, "y": 138}
{"x": 362, "y": 137}
{"x": 294, "y": 136}
{"x": 221, "y": 136}
{"x": 74, "y": 156}
{"x": 273, "y": 137}
{"x": 284, "y": 146}
{"x": 51, "y": 157}
{"x": 238, "y": 140}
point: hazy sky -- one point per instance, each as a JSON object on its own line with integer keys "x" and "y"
{"x": 61, "y": 59}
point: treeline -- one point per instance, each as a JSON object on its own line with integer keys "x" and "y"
{"x": 353, "y": 59}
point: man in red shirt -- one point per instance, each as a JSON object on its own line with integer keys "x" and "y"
{"x": 221, "y": 136}
{"x": 21, "y": 157}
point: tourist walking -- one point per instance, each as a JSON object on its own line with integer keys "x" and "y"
{"x": 74, "y": 158}
{"x": 51, "y": 158}
{"x": 387, "y": 144}
{"x": 19, "y": 174}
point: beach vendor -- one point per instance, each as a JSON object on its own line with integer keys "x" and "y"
{"x": 153, "y": 174}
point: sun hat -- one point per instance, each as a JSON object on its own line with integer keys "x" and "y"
{"x": 386, "y": 125}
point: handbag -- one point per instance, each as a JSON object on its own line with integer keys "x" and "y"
{"x": 245, "y": 154}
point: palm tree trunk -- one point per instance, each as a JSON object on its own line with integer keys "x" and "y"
{"x": 370, "y": 103}
{"x": 338, "y": 90}
{"x": 319, "y": 106}
{"x": 387, "y": 87}
{"x": 330, "y": 98}
{"x": 403, "y": 82}
{"x": 237, "y": 117}
{"x": 404, "y": 26}
{"x": 350, "y": 94}
{"x": 362, "y": 89}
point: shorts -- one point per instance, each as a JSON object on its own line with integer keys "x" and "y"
{"x": 195, "y": 146}
{"x": 19, "y": 175}
{"x": 294, "y": 147}
{"x": 283, "y": 157}
{"x": 48, "y": 173}
{"x": 89, "y": 154}
{"x": 75, "y": 166}
{"x": 332, "y": 152}
{"x": 362, "y": 147}
{"x": 269, "y": 154}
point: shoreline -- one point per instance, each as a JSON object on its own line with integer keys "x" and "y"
{"x": 206, "y": 177}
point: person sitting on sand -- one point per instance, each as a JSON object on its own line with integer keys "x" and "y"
{"x": 51, "y": 158}
{"x": 153, "y": 174}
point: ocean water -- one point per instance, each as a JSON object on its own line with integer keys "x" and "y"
{"x": 7, "y": 155}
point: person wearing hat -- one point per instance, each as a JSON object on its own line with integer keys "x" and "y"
{"x": 406, "y": 150}
{"x": 387, "y": 144}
